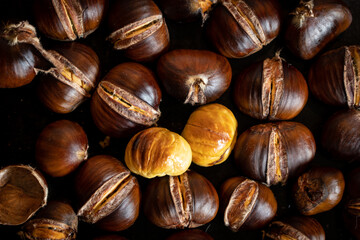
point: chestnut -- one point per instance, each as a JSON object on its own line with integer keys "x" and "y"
{"x": 239, "y": 28}
{"x": 314, "y": 24}
{"x": 271, "y": 89}
{"x": 23, "y": 191}
{"x": 156, "y": 152}
{"x": 69, "y": 19}
{"x": 138, "y": 28}
{"x": 126, "y": 100}
{"x": 341, "y": 136}
{"x": 194, "y": 76}
{"x": 185, "y": 201}
{"x": 318, "y": 190}
{"x": 247, "y": 204}
{"x": 61, "y": 147}
{"x": 273, "y": 152}
{"x": 296, "y": 227}
{"x": 190, "y": 234}
{"x": 333, "y": 78}
{"x": 211, "y": 131}
{"x": 57, "y": 220}
{"x": 108, "y": 195}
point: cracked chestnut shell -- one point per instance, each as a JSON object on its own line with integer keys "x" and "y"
{"x": 314, "y": 24}
{"x": 239, "y": 28}
{"x": 211, "y": 131}
{"x": 334, "y": 77}
{"x": 57, "y": 220}
{"x": 126, "y": 100}
{"x": 273, "y": 152}
{"x": 185, "y": 201}
{"x": 138, "y": 28}
{"x": 68, "y": 19}
{"x": 352, "y": 204}
{"x": 194, "y": 76}
{"x": 318, "y": 190}
{"x": 272, "y": 89}
{"x": 190, "y": 234}
{"x": 108, "y": 195}
{"x": 246, "y": 204}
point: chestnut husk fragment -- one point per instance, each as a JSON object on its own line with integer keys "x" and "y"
{"x": 190, "y": 234}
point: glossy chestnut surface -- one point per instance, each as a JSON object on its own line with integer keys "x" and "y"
{"x": 190, "y": 234}
{"x": 352, "y": 203}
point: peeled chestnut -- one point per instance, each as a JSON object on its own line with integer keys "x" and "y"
{"x": 194, "y": 76}
{"x": 314, "y": 24}
{"x": 61, "y": 147}
{"x": 190, "y": 234}
{"x": 247, "y": 204}
{"x": 68, "y": 19}
{"x": 273, "y": 152}
{"x": 341, "y": 136}
{"x": 185, "y": 201}
{"x": 211, "y": 131}
{"x": 23, "y": 191}
{"x": 295, "y": 228}
{"x": 138, "y": 28}
{"x": 334, "y": 77}
{"x": 157, "y": 152}
{"x": 239, "y": 28}
{"x": 57, "y": 220}
{"x": 272, "y": 89}
{"x": 126, "y": 100}
{"x": 318, "y": 190}
{"x": 108, "y": 195}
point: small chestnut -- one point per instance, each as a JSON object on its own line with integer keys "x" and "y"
{"x": 190, "y": 234}
{"x": 318, "y": 190}
{"x": 194, "y": 76}
{"x": 273, "y": 152}
{"x": 185, "y": 201}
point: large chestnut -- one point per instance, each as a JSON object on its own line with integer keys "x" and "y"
{"x": 185, "y": 201}
{"x": 246, "y": 204}
{"x": 239, "y": 28}
{"x": 272, "y": 89}
{"x": 352, "y": 203}
{"x": 314, "y": 24}
{"x": 138, "y": 28}
{"x": 126, "y": 100}
{"x": 108, "y": 195}
{"x": 190, "y": 234}
{"x": 194, "y": 76}
{"x": 273, "y": 152}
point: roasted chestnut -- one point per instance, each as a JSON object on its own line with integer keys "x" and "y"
{"x": 273, "y": 152}
{"x": 314, "y": 24}
{"x": 194, "y": 76}
{"x": 108, "y": 195}
{"x": 185, "y": 201}
{"x": 23, "y": 191}
{"x": 211, "y": 131}
{"x": 61, "y": 147}
{"x": 57, "y": 220}
{"x": 126, "y": 101}
{"x": 341, "y": 136}
{"x": 334, "y": 77}
{"x": 318, "y": 190}
{"x": 190, "y": 234}
{"x": 157, "y": 152}
{"x": 246, "y": 204}
{"x": 271, "y": 89}
{"x": 138, "y": 28}
{"x": 68, "y": 19}
{"x": 239, "y": 28}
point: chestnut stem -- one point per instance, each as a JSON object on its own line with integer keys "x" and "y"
{"x": 196, "y": 93}
{"x": 303, "y": 11}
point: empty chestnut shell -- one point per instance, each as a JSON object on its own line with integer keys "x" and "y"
{"x": 194, "y": 76}
{"x": 23, "y": 191}
{"x": 318, "y": 190}
{"x": 190, "y": 234}
{"x": 185, "y": 201}
{"x": 138, "y": 28}
{"x": 272, "y": 89}
{"x": 314, "y": 24}
{"x": 126, "y": 100}
{"x": 273, "y": 152}
{"x": 246, "y": 204}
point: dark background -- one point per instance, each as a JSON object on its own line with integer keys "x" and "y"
{"x": 23, "y": 117}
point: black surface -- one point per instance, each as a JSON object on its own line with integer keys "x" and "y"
{"x": 23, "y": 117}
